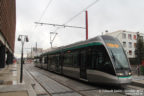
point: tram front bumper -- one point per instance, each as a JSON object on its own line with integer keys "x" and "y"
{"x": 125, "y": 80}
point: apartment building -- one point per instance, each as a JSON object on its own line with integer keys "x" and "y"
{"x": 128, "y": 40}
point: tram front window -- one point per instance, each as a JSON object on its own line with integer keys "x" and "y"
{"x": 119, "y": 58}
{"x": 98, "y": 59}
{"x": 117, "y": 53}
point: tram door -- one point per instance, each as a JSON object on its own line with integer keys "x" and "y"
{"x": 58, "y": 64}
{"x": 83, "y": 74}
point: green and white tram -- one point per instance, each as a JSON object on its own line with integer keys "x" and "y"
{"x": 98, "y": 60}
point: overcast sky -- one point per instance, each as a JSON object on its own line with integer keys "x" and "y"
{"x": 111, "y": 15}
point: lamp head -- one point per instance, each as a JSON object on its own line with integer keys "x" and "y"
{"x": 19, "y": 39}
{"x": 27, "y": 40}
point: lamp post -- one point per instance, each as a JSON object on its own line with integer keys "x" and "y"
{"x": 22, "y": 38}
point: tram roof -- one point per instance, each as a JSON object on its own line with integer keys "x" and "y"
{"x": 81, "y": 44}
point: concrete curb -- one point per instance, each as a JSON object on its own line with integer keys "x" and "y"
{"x": 134, "y": 83}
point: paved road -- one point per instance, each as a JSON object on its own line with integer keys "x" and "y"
{"x": 57, "y": 85}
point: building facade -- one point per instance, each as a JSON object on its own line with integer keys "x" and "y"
{"x": 34, "y": 52}
{"x": 128, "y": 40}
{"x": 7, "y": 31}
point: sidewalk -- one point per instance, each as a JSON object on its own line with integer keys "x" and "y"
{"x": 10, "y": 86}
{"x": 9, "y": 82}
{"x": 138, "y": 80}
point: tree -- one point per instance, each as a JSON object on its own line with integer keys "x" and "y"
{"x": 139, "y": 51}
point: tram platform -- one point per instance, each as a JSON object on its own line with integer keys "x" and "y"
{"x": 10, "y": 86}
{"x": 138, "y": 80}
{"x": 10, "y": 83}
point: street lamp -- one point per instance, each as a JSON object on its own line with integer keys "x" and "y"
{"x": 22, "y": 38}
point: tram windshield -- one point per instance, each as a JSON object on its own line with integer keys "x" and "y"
{"x": 117, "y": 53}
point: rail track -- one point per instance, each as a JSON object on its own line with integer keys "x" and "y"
{"x": 57, "y": 85}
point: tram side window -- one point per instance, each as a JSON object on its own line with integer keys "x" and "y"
{"x": 83, "y": 57}
{"x": 88, "y": 58}
{"x": 75, "y": 59}
{"x": 57, "y": 59}
{"x": 94, "y": 61}
{"x": 43, "y": 60}
{"x": 91, "y": 59}
{"x": 52, "y": 60}
{"x": 37, "y": 60}
{"x": 40, "y": 60}
{"x": 101, "y": 58}
{"x": 46, "y": 60}
{"x": 68, "y": 60}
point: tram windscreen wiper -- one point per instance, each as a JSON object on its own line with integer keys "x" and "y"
{"x": 116, "y": 61}
{"x": 113, "y": 56}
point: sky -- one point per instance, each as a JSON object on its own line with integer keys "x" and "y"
{"x": 111, "y": 15}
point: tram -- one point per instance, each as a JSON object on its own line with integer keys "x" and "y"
{"x": 98, "y": 60}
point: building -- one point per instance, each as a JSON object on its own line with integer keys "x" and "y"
{"x": 7, "y": 31}
{"x": 34, "y": 52}
{"x": 128, "y": 40}
{"x": 37, "y": 52}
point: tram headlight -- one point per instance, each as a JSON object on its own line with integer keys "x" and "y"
{"x": 120, "y": 74}
{"x": 129, "y": 73}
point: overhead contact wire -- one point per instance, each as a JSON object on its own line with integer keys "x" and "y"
{"x": 79, "y": 13}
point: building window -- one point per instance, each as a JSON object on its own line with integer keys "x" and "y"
{"x": 135, "y": 53}
{"x": 130, "y": 52}
{"x": 141, "y": 37}
{"x": 129, "y": 36}
{"x": 124, "y": 44}
{"x": 123, "y": 35}
{"x": 130, "y": 44}
{"x": 134, "y": 37}
{"x": 134, "y": 45}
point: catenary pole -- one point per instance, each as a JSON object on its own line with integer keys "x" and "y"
{"x": 22, "y": 61}
{"x": 86, "y": 13}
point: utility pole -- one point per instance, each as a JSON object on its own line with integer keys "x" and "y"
{"x": 86, "y": 13}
